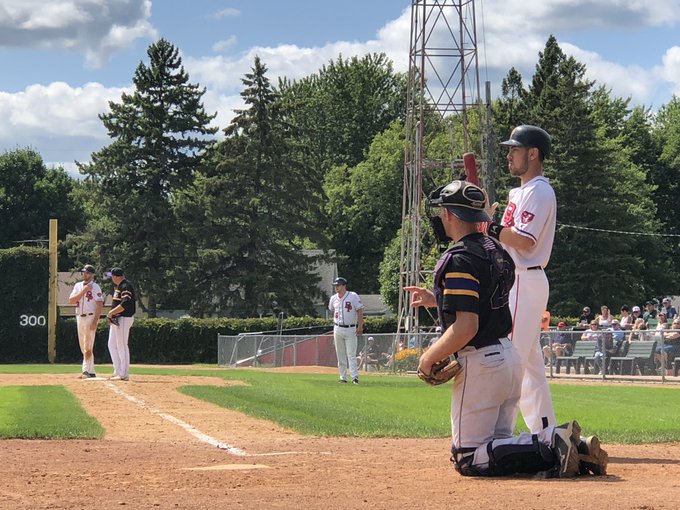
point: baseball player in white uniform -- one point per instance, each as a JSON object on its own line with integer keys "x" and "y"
{"x": 527, "y": 231}
{"x": 348, "y": 320}
{"x": 89, "y": 300}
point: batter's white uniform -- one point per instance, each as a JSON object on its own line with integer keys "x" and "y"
{"x": 85, "y": 315}
{"x": 345, "y": 318}
{"x": 532, "y": 212}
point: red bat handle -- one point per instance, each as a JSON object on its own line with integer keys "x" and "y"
{"x": 470, "y": 164}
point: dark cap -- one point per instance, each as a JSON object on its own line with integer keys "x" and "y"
{"x": 87, "y": 268}
{"x": 339, "y": 281}
{"x": 115, "y": 271}
{"x": 463, "y": 199}
{"x": 530, "y": 136}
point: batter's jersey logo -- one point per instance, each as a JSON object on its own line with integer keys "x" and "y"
{"x": 508, "y": 216}
{"x": 527, "y": 217}
{"x": 348, "y": 306}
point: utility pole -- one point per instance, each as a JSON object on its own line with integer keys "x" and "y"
{"x": 443, "y": 84}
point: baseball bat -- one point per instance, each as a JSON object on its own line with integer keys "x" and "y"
{"x": 470, "y": 164}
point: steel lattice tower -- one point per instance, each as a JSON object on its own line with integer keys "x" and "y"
{"x": 443, "y": 80}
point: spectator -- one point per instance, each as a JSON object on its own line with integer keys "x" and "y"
{"x": 671, "y": 312}
{"x": 605, "y": 318}
{"x": 618, "y": 338}
{"x": 639, "y": 331}
{"x": 650, "y": 313}
{"x": 637, "y": 314}
{"x": 586, "y": 317}
{"x": 626, "y": 318}
{"x": 665, "y": 354}
{"x": 562, "y": 343}
{"x": 593, "y": 333}
{"x": 370, "y": 355}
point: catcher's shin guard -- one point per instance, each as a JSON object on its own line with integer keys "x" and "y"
{"x": 508, "y": 459}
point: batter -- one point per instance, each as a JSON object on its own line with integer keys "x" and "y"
{"x": 527, "y": 231}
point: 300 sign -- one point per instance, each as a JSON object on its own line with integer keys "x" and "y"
{"x": 32, "y": 320}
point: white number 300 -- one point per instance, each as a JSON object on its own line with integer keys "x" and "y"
{"x": 32, "y": 320}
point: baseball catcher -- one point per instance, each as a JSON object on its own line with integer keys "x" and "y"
{"x": 472, "y": 283}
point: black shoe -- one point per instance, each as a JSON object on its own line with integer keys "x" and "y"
{"x": 84, "y": 375}
{"x": 343, "y": 381}
{"x": 91, "y": 375}
{"x": 355, "y": 380}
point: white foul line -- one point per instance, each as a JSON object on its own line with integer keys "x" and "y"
{"x": 191, "y": 430}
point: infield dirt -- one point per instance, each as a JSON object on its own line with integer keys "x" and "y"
{"x": 148, "y": 461}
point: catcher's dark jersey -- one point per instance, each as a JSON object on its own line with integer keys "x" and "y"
{"x": 464, "y": 281}
{"x": 124, "y": 295}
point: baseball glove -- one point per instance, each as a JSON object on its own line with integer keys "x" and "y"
{"x": 442, "y": 371}
{"x": 112, "y": 320}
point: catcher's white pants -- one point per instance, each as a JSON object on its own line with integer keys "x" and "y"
{"x": 86, "y": 340}
{"x": 485, "y": 394}
{"x": 118, "y": 346}
{"x": 345, "y": 340}
{"x": 528, "y": 301}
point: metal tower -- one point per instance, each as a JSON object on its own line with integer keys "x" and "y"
{"x": 443, "y": 84}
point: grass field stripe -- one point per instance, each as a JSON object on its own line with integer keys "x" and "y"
{"x": 176, "y": 421}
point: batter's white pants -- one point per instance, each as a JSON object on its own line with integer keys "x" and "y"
{"x": 528, "y": 301}
{"x": 345, "y": 340}
{"x": 485, "y": 394}
{"x": 86, "y": 340}
{"x": 118, "y": 346}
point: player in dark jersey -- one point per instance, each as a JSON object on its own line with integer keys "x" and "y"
{"x": 121, "y": 317}
{"x": 472, "y": 282}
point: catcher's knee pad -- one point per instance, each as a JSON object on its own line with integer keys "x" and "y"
{"x": 462, "y": 460}
{"x": 508, "y": 459}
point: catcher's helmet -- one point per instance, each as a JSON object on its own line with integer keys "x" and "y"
{"x": 462, "y": 198}
{"x": 530, "y": 136}
{"x": 339, "y": 281}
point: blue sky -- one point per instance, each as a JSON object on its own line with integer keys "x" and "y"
{"x": 63, "y": 60}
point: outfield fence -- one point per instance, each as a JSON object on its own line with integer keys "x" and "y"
{"x": 639, "y": 355}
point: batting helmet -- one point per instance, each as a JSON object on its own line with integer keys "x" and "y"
{"x": 339, "y": 281}
{"x": 530, "y": 136}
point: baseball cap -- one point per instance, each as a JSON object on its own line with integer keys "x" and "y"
{"x": 586, "y": 309}
{"x": 463, "y": 199}
{"x": 371, "y": 339}
{"x": 666, "y": 300}
{"x": 339, "y": 281}
{"x": 87, "y": 268}
{"x": 115, "y": 271}
{"x": 636, "y": 308}
{"x": 615, "y": 321}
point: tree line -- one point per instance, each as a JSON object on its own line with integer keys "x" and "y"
{"x": 220, "y": 224}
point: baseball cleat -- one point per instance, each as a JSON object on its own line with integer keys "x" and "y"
{"x": 91, "y": 375}
{"x": 84, "y": 375}
{"x": 343, "y": 381}
{"x": 565, "y": 448}
{"x": 593, "y": 458}
{"x": 355, "y": 380}
{"x": 115, "y": 377}
{"x": 126, "y": 378}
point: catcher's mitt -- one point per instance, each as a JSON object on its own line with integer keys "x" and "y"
{"x": 442, "y": 371}
{"x": 112, "y": 320}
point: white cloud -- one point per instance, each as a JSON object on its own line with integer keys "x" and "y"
{"x": 229, "y": 12}
{"x": 670, "y": 68}
{"x": 96, "y": 28}
{"x": 224, "y": 44}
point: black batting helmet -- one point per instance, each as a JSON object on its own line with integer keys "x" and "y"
{"x": 462, "y": 198}
{"x": 339, "y": 281}
{"x": 530, "y": 136}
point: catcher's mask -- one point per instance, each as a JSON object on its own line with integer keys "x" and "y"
{"x": 463, "y": 199}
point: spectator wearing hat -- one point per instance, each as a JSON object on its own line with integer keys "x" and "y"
{"x": 636, "y": 313}
{"x": 586, "y": 317}
{"x": 671, "y": 312}
{"x": 120, "y": 317}
{"x": 627, "y": 319}
{"x": 348, "y": 320}
{"x": 562, "y": 343}
{"x": 650, "y": 312}
{"x": 89, "y": 301}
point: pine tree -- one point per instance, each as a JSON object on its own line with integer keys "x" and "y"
{"x": 254, "y": 206}
{"x": 160, "y": 133}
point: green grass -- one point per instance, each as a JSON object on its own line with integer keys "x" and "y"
{"x": 384, "y": 406}
{"x": 44, "y": 412}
